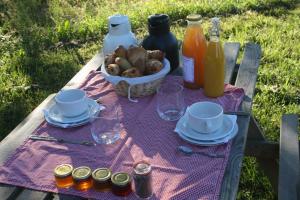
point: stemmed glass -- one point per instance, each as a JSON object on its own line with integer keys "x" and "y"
{"x": 105, "y": 128}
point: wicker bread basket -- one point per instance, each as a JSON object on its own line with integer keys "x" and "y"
{"x": 140, "y": 86}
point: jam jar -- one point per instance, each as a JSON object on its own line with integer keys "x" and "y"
{"x": 101, "y": 179}
{"x": 142, "y": 178}
{"x": 121, "y": 184}
{"x": 63, "y": 175}
{"x": 82, "y": 178}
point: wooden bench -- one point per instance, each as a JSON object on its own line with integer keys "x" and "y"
{"x": 288, "y": 185}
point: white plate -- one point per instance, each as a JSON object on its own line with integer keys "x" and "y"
{"x": 56, "y": 116}
{"x": 210, "y": 142}
{"x": 94, "y": 109}
{"x": 227, "y": 127}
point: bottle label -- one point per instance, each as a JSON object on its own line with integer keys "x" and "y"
{"x": 188, "y": 69}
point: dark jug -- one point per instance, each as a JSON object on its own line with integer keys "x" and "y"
{"x": 161, "y": 38}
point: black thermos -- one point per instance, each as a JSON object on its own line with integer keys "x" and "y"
{"x": 161, "y": 38}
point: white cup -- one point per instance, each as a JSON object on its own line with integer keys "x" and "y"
{"x": 205, "y": 117}
{"x": 71, "y": 102}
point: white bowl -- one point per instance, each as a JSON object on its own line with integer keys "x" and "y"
{"x": 71, "y": 102}
{"x": 205, "y": 117}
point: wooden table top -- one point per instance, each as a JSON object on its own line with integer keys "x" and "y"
{"x": 242, "y": 75}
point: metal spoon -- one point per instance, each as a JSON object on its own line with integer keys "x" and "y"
{"x": 188, "y": 151}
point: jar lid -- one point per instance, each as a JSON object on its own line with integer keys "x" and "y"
{"x": 142, "y": 168}
{"x": 193, "y": 17}
{"x": 101, "y": 174}
{"x": 120, "y": 178}
{"x": 81, "y": 173}
{"x": 63, "y": 170}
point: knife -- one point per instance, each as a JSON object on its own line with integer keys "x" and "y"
{"x": 49, "y": 138}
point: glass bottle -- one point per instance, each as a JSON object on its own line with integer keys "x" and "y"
{"x": 193, "y": 52}
{"x": 214, "y": 63}
{"x": 160, "y": 38}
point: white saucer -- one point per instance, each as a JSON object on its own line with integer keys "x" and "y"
{"x": 227, "y": 127}
{"x": 210, "y": 142}
{"x": 55, "y": 118}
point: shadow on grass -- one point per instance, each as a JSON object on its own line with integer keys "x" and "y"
{"x": 47, "y": 70}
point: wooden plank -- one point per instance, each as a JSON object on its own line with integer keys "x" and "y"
{"x": 93, "y": 64}
{"x": 23, "y": 130}
{"x": 266, "y": 153}
{"x": 231, "y": 50}
{"x": 255, "y": 132}
{"x": 247, "y": 74}
{"x": 262, "y": 149}
{"x": 66, "y": 197}
{"x": 35, "y": 118}
{"x": 9, "y": 192}
{"x": 232, "y": 172}
{"x": 289, "y": 158}
{"x": 34, "y": 195}
{"x": 16, "y": 138}
{"x": 246, "y": 79}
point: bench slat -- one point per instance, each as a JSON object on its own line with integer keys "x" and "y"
{"x": 289, "y": 158}
{"x": 93, "y": 64}
{"x": 247, "y": 74}
{"x": 9, "y": 192}
{"x": 66, "y": 197}
{"x": 231, "y": 50}
{"x": 246, "y": 79}
{"x": 34, "y": 195}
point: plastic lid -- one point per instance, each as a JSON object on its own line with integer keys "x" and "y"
{"x": 120, "y": 178}
{"x": 142, "y": 168}
{"x": 81, "y": 173}
{"x": 118, "y": 19}
{"x": 193, "y": 17}
{"x": 101, "y": 174}
{"x": 63, "y": 170}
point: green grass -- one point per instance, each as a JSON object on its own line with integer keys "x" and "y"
{"x": 44, "y": 43}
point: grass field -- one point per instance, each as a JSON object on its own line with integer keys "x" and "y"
{"x": 44, "y": 43}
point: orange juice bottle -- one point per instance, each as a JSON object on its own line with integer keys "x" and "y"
{"x": 193, "y": 51}
{"x": 214, "y": 63}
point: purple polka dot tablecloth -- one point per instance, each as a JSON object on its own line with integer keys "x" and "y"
{"x": 144, "y": 136}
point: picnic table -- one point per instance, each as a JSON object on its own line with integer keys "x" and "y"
{"x": 242, "y": 75}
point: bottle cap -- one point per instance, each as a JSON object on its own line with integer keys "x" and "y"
{"x": 120, "y": 178}
{"x": 101, "y": 174}
{"x": 63, "y": 170}
{"x": 118, "y": 19}
{"x": 81, "y": 173}
{"x": 193, "y": 17}
{"x": 215, "y": 22}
